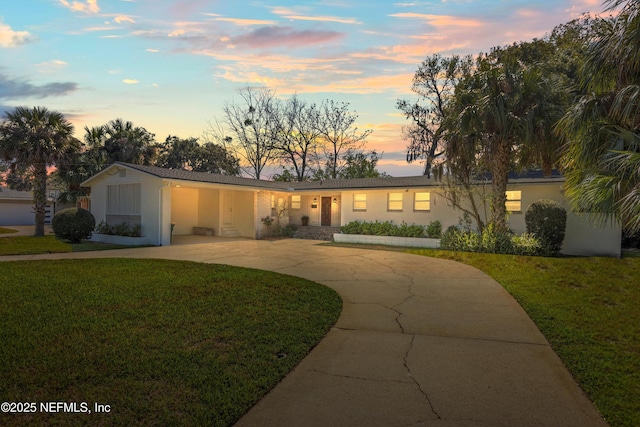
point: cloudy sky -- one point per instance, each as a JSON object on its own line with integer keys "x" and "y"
{"x": 170, "y": 65}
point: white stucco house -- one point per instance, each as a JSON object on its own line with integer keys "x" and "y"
{"x": 220, "y": 205}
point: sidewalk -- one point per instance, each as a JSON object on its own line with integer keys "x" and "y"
{"x": 421, "y": 341}
{"x": 25, "y": 230}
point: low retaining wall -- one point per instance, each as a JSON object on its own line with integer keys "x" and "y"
{"x": 120, "y": 240}
{"x": 412, "y": 242}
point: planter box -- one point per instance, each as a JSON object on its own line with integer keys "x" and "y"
{"x": 412, "y": 242}
{"x": 120, "y": 240}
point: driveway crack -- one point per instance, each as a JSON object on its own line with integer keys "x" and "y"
{"x": 424, "y": 393}
{"x": 353, "y": 377}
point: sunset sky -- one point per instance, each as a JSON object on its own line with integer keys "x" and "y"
{"x": 170, "y": 65}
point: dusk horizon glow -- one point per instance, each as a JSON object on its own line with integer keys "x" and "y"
{"x": 170, "y": 65}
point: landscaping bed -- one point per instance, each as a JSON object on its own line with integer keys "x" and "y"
{"x": 409, "y": 242}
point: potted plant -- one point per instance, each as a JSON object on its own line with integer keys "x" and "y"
{"x": 305, "y": 220}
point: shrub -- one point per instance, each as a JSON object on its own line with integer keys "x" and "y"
{"x": 527, "y": 244}
{"x": 490, "y": 241}
{"x": 73, "y": 224}
{"x": 454, "y": 239}
{"x": 434, "y": 229}
{"x": 547, "y": 220}
{"x": 122, "y": 229}
{"x": 351, "y": 228}
{"x": 388, "y": 228}
{"x": 287, "y": 231}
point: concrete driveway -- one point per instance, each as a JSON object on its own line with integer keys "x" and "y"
{"x": 420, "y": 342}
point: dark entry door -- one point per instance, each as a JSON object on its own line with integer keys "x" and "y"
{"x": 325, "y": 214}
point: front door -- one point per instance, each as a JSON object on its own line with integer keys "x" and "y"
{"x": 227, "y": 209}
{"x": 325, "y": 214}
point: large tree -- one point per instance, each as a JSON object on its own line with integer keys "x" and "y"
{"x": 189, "y": 154}
{"x": 36, "y": 138}
{"x": 509, "y": 116}
{"x": 297, "y": 135}
{"x": 434, "y": 82}
{"x": 124, "y": 142}
{"x": 252, "y": 128}
{"x": 361, "y": 165}
{"x": 117, "y": 140}
{"x": 340, "y": 136}
{"x": 602, "y": 130}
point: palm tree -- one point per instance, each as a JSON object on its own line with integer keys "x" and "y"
{"x": 602, "y": 131}
{"x": 507, "y": 113}
{"x": 36, "y": 138}
{"x": 127, "y": 143}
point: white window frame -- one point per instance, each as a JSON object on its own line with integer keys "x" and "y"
{"x": 296, "y": 202}
{"x": 395, "y": 202}
{"x": 124, "y": 199}
{"x": 513, "y": 202}
{"x": 359, "y": 202}
{"x": 422, "y": 202}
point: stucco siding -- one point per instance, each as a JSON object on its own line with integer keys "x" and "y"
{"x": 149, "y": 204}
{"x": 314, "y": 214}
{"x": 209, "y": 209}
{"x": 184, "y": 210}
{"x": 377, "y": 208}
{"x": 585, "y": 237}
{"x": 532, "y": 193}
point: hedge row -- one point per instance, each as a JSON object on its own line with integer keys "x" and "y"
{"x": 388, "y": 228}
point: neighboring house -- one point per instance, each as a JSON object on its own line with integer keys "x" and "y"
{"x": 221, "y": 205}
{"x": 16, "y": 208}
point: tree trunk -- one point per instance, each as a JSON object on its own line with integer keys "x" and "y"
{"x": 500, "y": 165}
{"x": 40, "y": 195}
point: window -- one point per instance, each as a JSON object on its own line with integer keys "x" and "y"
{"x": 422, "y": 202}
{"x": 295, "y": 202}
{"x": 394, "y": 202}
{"x": 359, "y": 202}
{"x": 514, "y": 201}
{"x": 273, "y": 201}
{"x": 123, "y": 199}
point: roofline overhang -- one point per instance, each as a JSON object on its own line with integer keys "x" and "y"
{"x": 291, "y": 187}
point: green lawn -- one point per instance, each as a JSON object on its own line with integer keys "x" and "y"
{"x": 589, "y": 310}
{"x": 161, "y": 342}
{"x": 7, "y": 230}
{"x": 30, "y": 245}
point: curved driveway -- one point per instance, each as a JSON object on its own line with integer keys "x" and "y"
{"x": 420, "y": 342}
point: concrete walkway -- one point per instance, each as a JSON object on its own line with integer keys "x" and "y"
{"x": 25, "y": 230}
{"x": 420, "y": 342}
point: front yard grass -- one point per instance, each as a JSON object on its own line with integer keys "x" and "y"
{"x": 7, "y": 230}
{"x": 30, "y": 245}
{"x": 589, "y": 310}
{"x": 161, "y": 342}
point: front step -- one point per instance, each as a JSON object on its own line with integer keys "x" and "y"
{"x": 229, "y": 232}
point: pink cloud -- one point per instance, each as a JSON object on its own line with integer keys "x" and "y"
{"x": 441, "y": 20}
{"x": 245, "y": 22}
{"x": 270, "y": 37}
